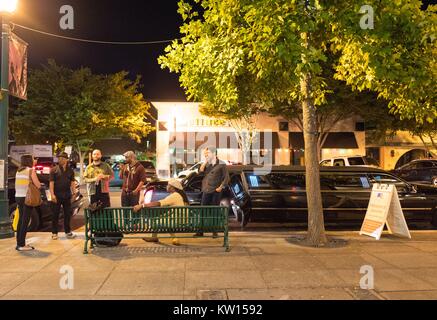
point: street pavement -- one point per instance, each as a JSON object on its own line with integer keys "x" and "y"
{"x": 262, "y": 264}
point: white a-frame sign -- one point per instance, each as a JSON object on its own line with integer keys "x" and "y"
{"x": 384, "y": 209}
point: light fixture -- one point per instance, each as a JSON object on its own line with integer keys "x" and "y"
{"x": 8, "y": 5}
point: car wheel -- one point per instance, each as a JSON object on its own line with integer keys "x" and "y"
{"x": 434, "y": 181}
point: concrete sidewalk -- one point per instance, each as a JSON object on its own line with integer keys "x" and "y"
{"x": 261, "y": 265}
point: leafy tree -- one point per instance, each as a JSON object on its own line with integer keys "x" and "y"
{"x": 237, "y": 52}
{"x": 77, "y": 107}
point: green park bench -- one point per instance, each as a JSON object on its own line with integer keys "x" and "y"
{"x": 107, "y": 223}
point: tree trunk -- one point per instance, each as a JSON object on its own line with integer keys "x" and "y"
{"x": 81, "y": 161}
{"x": 316, "y": 226}
{"x": 428, "y": 151}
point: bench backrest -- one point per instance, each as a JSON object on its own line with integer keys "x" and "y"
{"x": 158, "y": 219}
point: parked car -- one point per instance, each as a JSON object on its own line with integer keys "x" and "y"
{"x": 43, "y": 214}
{"x": 148, "y": 166}
{"x": 350, "y": 161}
{"x": 422, "y": 171}
{"x": 280, "y": 194}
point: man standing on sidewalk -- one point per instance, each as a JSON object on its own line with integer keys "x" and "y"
{"x": 97, "y": 176}
{"x": 62, "y": 185}
{"x": 215, "y": 179}
{"x": 133, "y": 175}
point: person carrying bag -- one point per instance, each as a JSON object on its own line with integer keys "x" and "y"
{"x": 27, "y": 195}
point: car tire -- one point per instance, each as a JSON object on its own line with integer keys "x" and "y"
{"x": 434, "y": 181}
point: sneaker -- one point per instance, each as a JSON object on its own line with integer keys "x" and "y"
{"x": 70, "y": 235}
{"x": 151, "y": 239}
{"x": 215, "y": 235}
{"x": 176, "y": 242}
{"x": 54, "y": 236}
{"x": 199, "y": 234}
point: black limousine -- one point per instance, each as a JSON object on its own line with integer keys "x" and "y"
{"x": 278, "y": 194}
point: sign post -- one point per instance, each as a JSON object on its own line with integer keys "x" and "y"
{"x": 384, "y": 209}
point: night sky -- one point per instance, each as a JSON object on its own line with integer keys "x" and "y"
{"x": 107, "y": 20}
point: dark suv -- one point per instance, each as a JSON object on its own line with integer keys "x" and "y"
{"x": 422, "y": 171}
{"x": 280, "y": 194}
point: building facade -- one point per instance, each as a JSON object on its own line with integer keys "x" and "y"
{"x": 182, "y": 132}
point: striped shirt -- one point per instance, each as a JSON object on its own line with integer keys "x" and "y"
{"x": 22, "y": 183}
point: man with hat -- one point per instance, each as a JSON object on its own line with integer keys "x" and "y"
{"x": 176, "y": 198}
{"x": 134, "y": 176}
{"x": 62, "y": 185}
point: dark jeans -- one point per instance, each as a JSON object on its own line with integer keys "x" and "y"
{"x": 211, "y": 199}
{"x": 128, "y": 199}
{"x": 103, "y": 198}
{"x": 56, "y": 207}
{"x": 23, "y": 221}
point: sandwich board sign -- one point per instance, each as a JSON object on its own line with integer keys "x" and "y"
{"x": 384, "y": 209}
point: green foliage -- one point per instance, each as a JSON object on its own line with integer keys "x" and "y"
{"x": 238, "y": 52}
{"x": 78, "y": 107}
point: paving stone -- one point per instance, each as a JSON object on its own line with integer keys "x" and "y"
{"x": 213, "y": 280}
{"x": 228, "y": 263}
{"x": 143, "y": 283}
{"x": 48, "y": 283}
{"x": 350, "y": 261}
{"x": 385, "y": 280}
{"x": 287, "y": 294}
{"x": 285, "y": 262}
{"x": 410, "y": 295}
{"x": 157, "y": 264}
{"x": 408, "y": 260}
{"x": 9, "y": 281}
{"x": 306, "y": 278}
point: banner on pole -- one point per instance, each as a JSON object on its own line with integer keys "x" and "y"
{"x": 17, "y": 67}
{"x": 384, "y": 209}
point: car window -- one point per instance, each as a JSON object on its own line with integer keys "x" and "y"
{"x": 287, "y": 181}
{"x": 424, "y": 165}
{"x": 344, "y": 181}
{"x": 371, "y": 161}
{"x": 326, "y": 163}
{"x": 257, "y": 181}
{"x": 196, "y": 183}
{"x": 356, "y": 161}
{"x": 196, "y": 166}
{"x": 237, "y": 186}
{"x": 410, "y": 166}
{"x": 339, "y": 163}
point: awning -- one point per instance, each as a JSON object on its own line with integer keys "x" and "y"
{"x": 335, "y": 140}
{"x": 222, "y": 140}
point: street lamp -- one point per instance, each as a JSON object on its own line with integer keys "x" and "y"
{"x": 7, "y": 7}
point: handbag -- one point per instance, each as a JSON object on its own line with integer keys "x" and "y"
{"x": 33, "y": 195}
